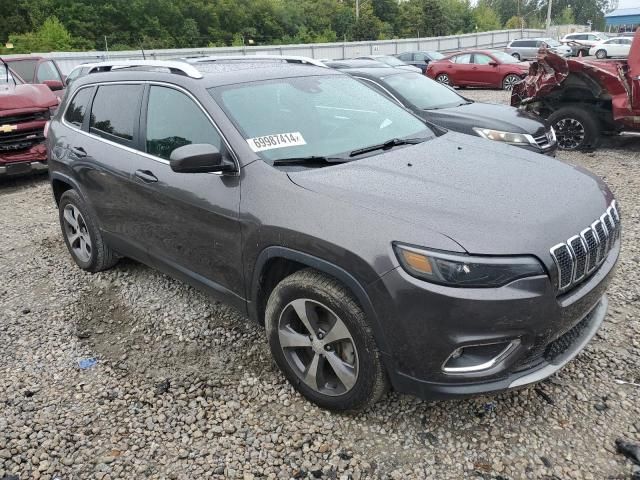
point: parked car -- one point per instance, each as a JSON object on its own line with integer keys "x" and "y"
{"x": 528, "y": 48}
{"x": 77, "y": 72}
{"x": 584, "y": 99}
{"x": 391, "y": 61}
{"x": 580, "y": 43}
{"x": 24, "y": 111}
{"x": 420, "y": 59}
{"x": 375, "y": 250}
{"x": 478, "y": 68}
{"x": 614, "y": 47}
{"x": 443, "y": 106}
{"x": 38, "y": 70}
{"x": 354, "y": 63}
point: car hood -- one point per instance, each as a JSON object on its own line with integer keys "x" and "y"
{"x": 485, "y": 115}
{"x": 490, "y": 198}
{"x": 15, "y": 97}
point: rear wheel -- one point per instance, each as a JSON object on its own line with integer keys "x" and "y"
{"x": 576, "y": 128}
{"x": 443, "y": 78}
{"x": 516, "y": 56}
{"x": 509, "y": 81}
{"x": 82, "y": 235}
{"x": 320, "y": 339}
{"x": 601, "y": 54}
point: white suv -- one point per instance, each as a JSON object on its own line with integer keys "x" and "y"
{"x": 584, "y": 39}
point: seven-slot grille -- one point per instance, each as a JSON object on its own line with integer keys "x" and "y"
{"x": 582, "y": 254}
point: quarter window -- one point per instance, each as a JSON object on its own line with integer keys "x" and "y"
{"x": 115, "y": 112}
{"x": 173, "y": 121}
{"x": 78, "y": 106}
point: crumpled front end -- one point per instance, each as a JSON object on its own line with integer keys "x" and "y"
{"x": 545, "y": 75}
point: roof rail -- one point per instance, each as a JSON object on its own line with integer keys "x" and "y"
{"x": 249, "y": 58}
{"x": 177, "y": 67}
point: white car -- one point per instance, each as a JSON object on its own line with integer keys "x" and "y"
{"x": 614, "y": 47}
{"x": 582, "y": 42}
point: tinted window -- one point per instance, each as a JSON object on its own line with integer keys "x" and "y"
{"x": 315, "y": 115}
{"x": 466, "y": 58}
{"x": 115, "y": 112}
{"x": 78, "y": 106}
{"x": 481, "y": 59}
{"x": 25, "y": 69}
{"x": 423, "y": 92}
{"x": 47, "y": 71}
{"x": 188, "y": 123}
{"x": 420, "y": 57}
{"x": 406, "y": 57}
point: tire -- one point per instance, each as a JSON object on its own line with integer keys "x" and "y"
{"x": 601, "y": 54}
{"x": 331, "y": 312}
{"x": 510, "y": 80}
{"x": 444, "y": 79}
{"x": 516, "y": 56}
{"x": 576, "y": 128}
{"x": 82, "y": 235}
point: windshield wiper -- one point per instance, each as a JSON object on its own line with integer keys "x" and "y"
{"x": 394, "y": 142}
{"x": 318, "y": 160}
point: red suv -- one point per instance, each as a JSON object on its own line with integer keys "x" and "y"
{"x": 24, "y": 112}
{"x": 584, "y": 99}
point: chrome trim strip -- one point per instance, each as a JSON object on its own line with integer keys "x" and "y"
{"x": 139, "y": 152}
{"x": 483, "y": 366}
{"x": 574, "y": 276}
{"x": 555, "y": 259}
{"x": 586, "y": 243}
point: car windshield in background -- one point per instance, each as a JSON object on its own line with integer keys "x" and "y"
{"x": 6, "y": 77}
{"x": 319, "y": 116}
{"x": 26, "y": 69}
{"x": 503, "y": 57}
{"x": 393, "y": 61}
{"x": 423, "y": 92}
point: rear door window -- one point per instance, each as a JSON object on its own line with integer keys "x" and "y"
{"x": 466, "y": 58}
{"x": 188, "y": 123}
{"x": 77, "y": 108}
{"x": 115, "y": 112}
{"x": 481, "y": 59}
{"x": 405, "y": 57}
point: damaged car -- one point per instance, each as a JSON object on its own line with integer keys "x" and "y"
{"x": 24, "y": 111}
{"x": 584, "y": 99}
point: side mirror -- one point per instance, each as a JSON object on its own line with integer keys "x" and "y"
{"x": 54, "y": 85}
{"x": 197, "y": 158}
{"x": 493, "y": 64}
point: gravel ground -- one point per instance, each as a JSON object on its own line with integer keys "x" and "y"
{"x": 185, "y": 388}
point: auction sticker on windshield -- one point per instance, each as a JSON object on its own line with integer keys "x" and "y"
{"x": 279, "y": 140}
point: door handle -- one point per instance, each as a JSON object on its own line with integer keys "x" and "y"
{"x": 146, "y": 176}
{"x": 79, "y": 152}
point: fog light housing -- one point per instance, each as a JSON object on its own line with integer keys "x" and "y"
{"x": 478, "y": 358}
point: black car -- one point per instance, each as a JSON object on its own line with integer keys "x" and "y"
{"x": 420, "y": 59}
{"x": 375, "y": 250}
{"x": 443, "y": 106}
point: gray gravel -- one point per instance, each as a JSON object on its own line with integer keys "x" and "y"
{"x": 184, "y": 387}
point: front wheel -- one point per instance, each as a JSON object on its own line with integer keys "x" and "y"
{"x": 510, "y": 81}
{"x": 320, "y": 339}
{"x": 444, "y": 79}
{"x": 601, "y": 54}
{"x": 576, "y": 128}
{"x": 516, "y": 56}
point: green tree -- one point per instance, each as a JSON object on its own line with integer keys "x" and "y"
{"x": 486, "y": 18}
{"x": 52, "y": 36}
{"x": 566, "y": 17}
{"x": 515, "y": 22}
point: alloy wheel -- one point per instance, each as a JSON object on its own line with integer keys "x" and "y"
{"x": 318, "y": 347}
{"x": 443, "y": 78}
{"x": 600, "y": 54}
{"x": 77, "y": 233}
{"x": 570, "y": 133}
{"x": 510, "y": 81}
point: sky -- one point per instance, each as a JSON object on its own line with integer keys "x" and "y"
{"x": 629, "y": 4}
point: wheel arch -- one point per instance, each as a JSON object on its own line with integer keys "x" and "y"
{"x": 60, "y": 183}
{"x": 275, "y": 263}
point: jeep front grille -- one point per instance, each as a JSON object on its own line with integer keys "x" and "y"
{"x": 582, "y": 254}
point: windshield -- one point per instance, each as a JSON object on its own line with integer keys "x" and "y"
{"x": 551, "y": 42}
{"x": 423, "y": 92}
{"x": 326, "y": 116}
{"x": 6, "y": 77}
{"x": 393, "y": 61}
{"x": 504, "y": 57}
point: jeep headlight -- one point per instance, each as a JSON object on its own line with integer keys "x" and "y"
{"x": 457, "y": 270}
{"x": 506, "y": 137}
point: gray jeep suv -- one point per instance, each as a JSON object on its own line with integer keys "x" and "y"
{"x": 376, "y": 250}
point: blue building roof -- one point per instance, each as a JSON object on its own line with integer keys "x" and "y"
{"x": 624, "y": 12}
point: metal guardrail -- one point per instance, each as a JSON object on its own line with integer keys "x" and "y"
{"x": 495, "y": 39}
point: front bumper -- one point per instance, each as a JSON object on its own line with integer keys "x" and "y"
{"x": 22, "y": 168}
{"x": 424, "y": 323}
